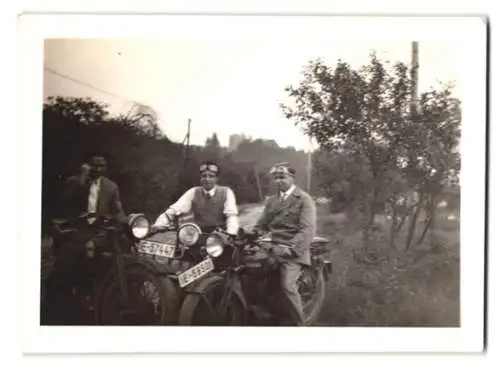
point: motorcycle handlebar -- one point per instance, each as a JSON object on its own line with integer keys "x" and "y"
{"x": 258, "y": 237}
{"x": 158, "y": 229}
{"x": 280, "y": 243}
{"x": 106, "y": 221}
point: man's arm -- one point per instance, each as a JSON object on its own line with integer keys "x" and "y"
{"x": 182, "y": 206}
{"x": 71, "y": 185}
{"x": 69, "y": 193}
{"x": 231, "y": 212}
{"x": 307, "y": 226}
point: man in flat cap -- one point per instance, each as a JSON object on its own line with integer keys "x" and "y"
{"x": 212, "y": 205}
{"x": 290, "y": 216}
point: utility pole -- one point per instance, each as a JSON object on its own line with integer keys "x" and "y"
{"x": 258, "y": 181}
{"x": 414, "y": 74}
{"x": 309, "y": 166}
{"x": 188, "y": 135}
{"x": 186, "y": 157}
{"x": 414, "y": 109}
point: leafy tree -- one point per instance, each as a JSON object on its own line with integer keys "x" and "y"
{"x": 433, "y": 160}
{"x": 374, "y": 145}
{"x": 213, "y": 150}
{"x": 143, "y": 164}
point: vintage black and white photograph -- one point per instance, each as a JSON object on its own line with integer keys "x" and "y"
{"x": 239, "y": 181}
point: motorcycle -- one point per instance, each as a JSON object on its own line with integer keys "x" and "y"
{"x": 240, "y": 286}
{"x": 106, "y": 283}
{"x": 182, "y": 248}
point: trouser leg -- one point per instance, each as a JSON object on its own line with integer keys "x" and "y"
{"x": 289, "y": 275}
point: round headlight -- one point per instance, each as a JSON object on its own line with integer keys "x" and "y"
{"x": 214, "y": 246}
{"x": 189, "y": 234}
{"x": 139, "y": 225}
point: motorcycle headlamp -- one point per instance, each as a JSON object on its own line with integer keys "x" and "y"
{"x": 214, "y": 246}
{"x": 139, "y": 225}
{"x": 189, "y": 234}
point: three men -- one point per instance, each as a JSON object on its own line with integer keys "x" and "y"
{"x": 212, "y": 205}
{"x": 289, "y": 216}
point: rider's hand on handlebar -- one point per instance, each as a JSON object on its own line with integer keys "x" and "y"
{"x": 265, "y": 246}
{"x": 163, "y": 221}
{"x": 158, "y": 227}
{"x": 281, "y": 251}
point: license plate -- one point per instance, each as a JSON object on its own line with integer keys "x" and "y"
{"x": 196, "y": 272}
{"x": 156, "y": 249}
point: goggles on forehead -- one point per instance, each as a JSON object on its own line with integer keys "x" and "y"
{"x": 281, "y": 170}
{"x": 209, "y": 167}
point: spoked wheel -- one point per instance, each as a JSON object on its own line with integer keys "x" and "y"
{"x": 153, "y": 300}
{"x": 215, "y": 306}
{"x": 312, "y": 289}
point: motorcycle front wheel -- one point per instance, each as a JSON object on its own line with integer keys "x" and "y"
{"x": 153, "y": 300}
{"x": 213, "y": 306}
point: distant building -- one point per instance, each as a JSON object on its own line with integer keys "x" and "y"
{"x": 235, "y": 140}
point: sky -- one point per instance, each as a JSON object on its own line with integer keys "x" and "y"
{"x": 225, "y": 86}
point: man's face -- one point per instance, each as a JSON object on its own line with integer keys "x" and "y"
{"x": 97, "y": 167}
{"x": 208, "y": 180}
{"x": 283, "y": 181}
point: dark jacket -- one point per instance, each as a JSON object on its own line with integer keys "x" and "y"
{"x": 75, "y": 198}
{"x": 292, "y": 220}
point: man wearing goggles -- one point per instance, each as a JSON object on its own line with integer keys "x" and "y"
{"x": 289, "y": 216}
{"x": 212, "y": 205}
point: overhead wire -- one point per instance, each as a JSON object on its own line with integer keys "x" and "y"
{"x": 86, "y": 84}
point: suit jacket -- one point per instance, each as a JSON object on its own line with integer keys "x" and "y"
{"x": 75, "y": 198}
{"x": 292, "y": 220}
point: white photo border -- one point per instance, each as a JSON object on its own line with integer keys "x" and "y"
{"x": 468, "y": 338}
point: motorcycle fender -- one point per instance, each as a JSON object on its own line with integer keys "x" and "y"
{"x": 200, "y": 286}
{"x": 155, "y": 267}
{"x": 131, "y": 261}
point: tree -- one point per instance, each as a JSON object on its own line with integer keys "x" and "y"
{"x": 145, "y": 119}
{"x": 143, "y": 164}
{"x": 356, "y": 113}
{"x": 76, "y": 109}
{"x": 213, "y": 150}
{"x": 433, "y": 158}
{"x": 365, "y": 117}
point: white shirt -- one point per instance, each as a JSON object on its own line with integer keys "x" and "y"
{"x": 183, "y": 206}
{"x": 95, "y": 188}
{"x": 285, "y": 195}
{"x": 210, "y": 192}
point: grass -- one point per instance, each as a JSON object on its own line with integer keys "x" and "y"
{"x": 420, "y": 287}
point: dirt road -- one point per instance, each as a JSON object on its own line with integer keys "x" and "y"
{"x": 250, "y": 214}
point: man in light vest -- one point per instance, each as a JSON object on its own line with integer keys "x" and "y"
{"x": 212, "y": 205}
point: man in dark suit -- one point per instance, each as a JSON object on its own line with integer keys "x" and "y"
{"x": 89, "y": 192}
{"x": 92, "y": 192}
{"x": 289, "y": 216}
